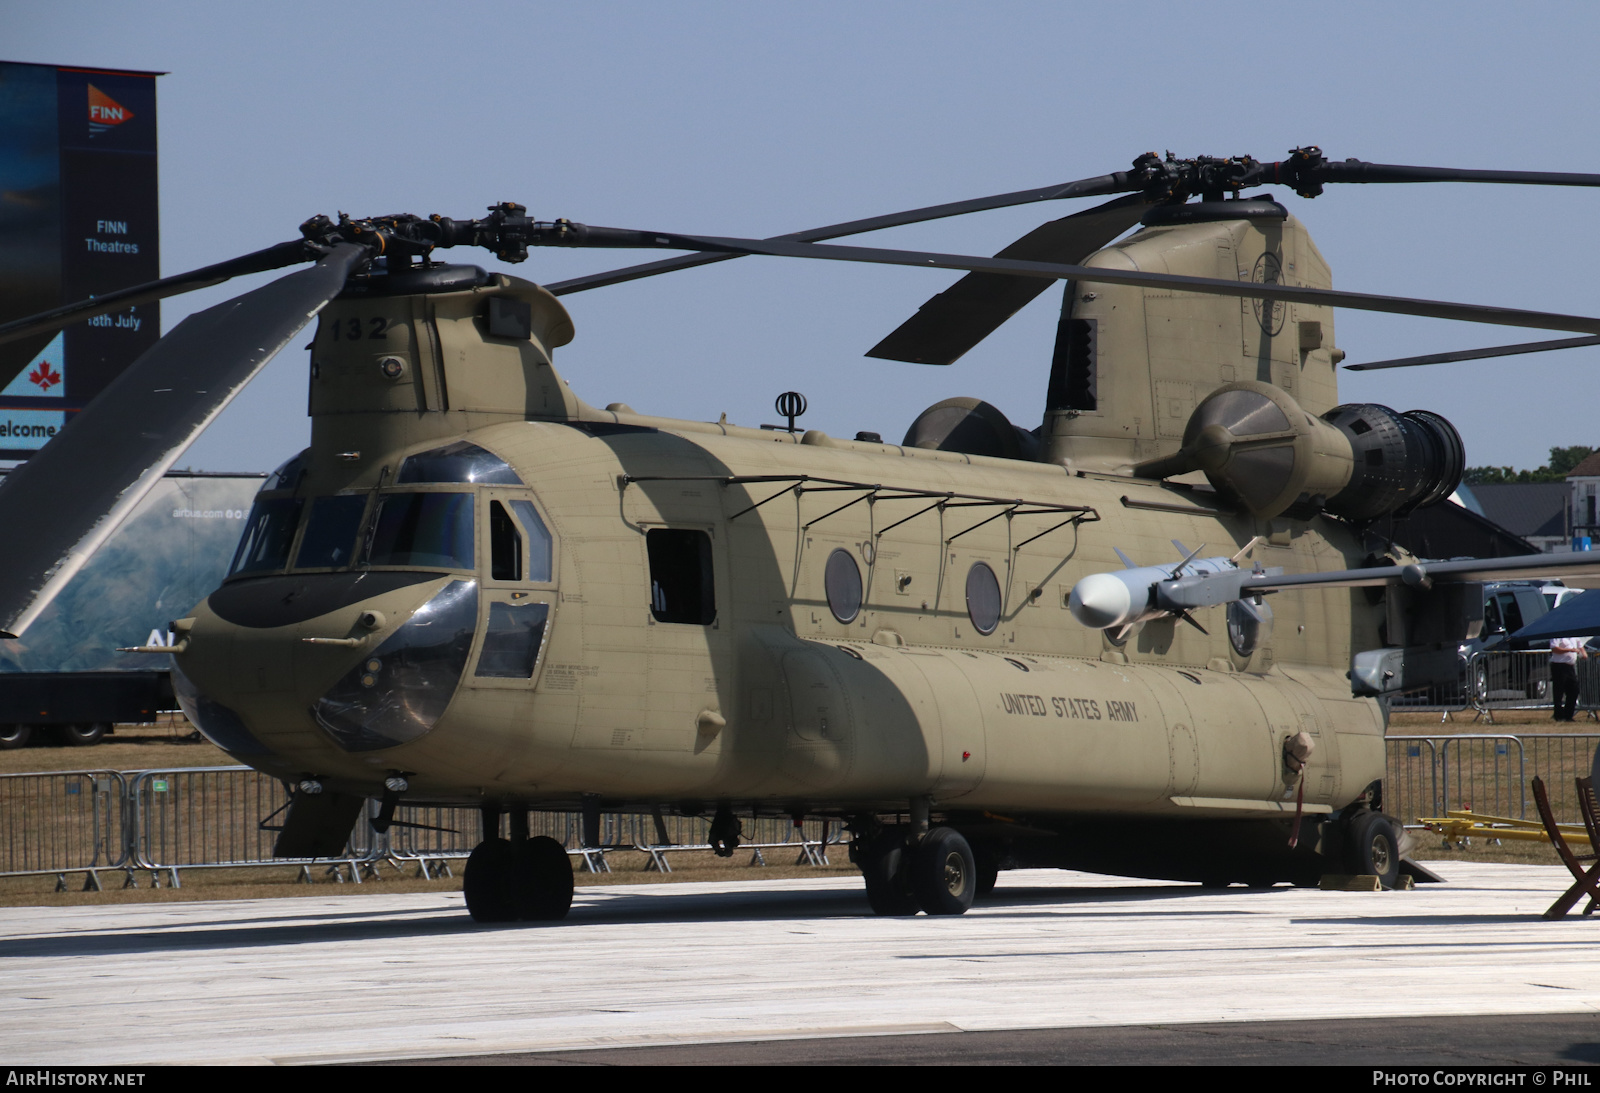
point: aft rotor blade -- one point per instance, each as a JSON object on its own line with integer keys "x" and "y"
{"x": 65, "y": 501}
{"x": 1476, "y": 354}
{"x": 275, "y": 257}
{"x": 961, "y": 316}
{"x": 1098, "y": 186}
{"x": 1360, "y": 301}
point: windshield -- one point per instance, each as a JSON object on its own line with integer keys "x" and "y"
{"x": 330, "y": 536}
{"x": 429, "y": 529}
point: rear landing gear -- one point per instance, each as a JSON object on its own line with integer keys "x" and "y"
{"x": 520, "y": 878}
{"x": 1373, "y": 847}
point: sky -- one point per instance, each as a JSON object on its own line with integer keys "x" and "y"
{"x": 754, "y": 119}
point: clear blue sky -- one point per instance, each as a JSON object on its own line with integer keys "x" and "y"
{"x": 761, "y": 118}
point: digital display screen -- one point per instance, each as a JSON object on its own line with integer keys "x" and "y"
{"x": 78, "y": 217}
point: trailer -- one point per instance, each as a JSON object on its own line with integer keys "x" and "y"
{"x": 65, "y": 678}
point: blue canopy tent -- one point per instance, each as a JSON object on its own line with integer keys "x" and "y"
{"x": 1579, "y": 617}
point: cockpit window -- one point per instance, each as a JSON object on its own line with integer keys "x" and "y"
{"x": 458, "y": 462}
{"x": 330, "y": 536}
{"x": 287, "y": 476}
{"x": 429, "y": 529}
{"x": 268, "y": 532}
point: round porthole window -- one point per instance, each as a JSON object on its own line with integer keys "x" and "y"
{"x": 842, "y": 580}
{"x": 983, "y": 598}
{"x": 1247, "y": 624}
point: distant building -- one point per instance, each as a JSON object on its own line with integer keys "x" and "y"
{"x": 1534, "y": 511}
{"x": 1583, "y": 483}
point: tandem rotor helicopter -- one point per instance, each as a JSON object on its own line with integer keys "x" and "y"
{"x": 1149, "y": 637}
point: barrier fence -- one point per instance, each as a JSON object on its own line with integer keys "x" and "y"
{"x": 161, "y": 822}
{"x": 1484, "y": 772}
{"x": 1500, "y": 680}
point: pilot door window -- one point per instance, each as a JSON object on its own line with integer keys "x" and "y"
{"x": 507, "y": 532}
{"x": 681, "y": 579}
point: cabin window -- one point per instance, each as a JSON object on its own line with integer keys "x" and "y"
{"x": 842, "y": 582}
{"x": 427, "y": 529}
{"x": 681, "y": 587}
{"x": 330, "y": 536}
{"x": 983, "y": 598}
{"x": 539, "y": 565}
{"x": 268, "y": 533}
{"x": 505, "y": 545}
{"x": 511, "y": 642}
{"x": 458, "y": 462}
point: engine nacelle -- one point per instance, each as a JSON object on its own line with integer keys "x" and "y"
{"x": 1258, "y": 447}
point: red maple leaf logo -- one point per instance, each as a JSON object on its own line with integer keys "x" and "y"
{"x": 44, "y": 376}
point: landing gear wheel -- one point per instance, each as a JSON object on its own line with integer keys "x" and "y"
{"x": 944, "y": 875}
{"x": 988, "y": 874}
{"x": 83, "y": 734}
{"x": 14, "y": 736}
{"x": 488, "y": 882}
{"x": 885, "y": 863}
{"x": 1374, "y": 847}
{"x": 541, "y": 880}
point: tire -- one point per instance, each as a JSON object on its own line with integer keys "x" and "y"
{"x": 988, "y": 874}
{"x": 885, "y": 866}
{"x": 488, "y": 882}
{"x": 541, "y": 880}
{"x": 944, "y": 876}
{"x": 83, "y": 734}
{"x": 1480, "y": 683}
{"x": 1374, "y": 847}
{"x": 15, "y": 736}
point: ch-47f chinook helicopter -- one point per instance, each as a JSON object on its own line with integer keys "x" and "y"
{"x": 1148, "y": 637}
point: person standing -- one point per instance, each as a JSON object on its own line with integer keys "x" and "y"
{"x": 1564, "y": 654}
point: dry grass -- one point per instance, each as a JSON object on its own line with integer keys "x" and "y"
{"x": 171, "y": 742}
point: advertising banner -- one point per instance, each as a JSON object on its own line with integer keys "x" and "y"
{"x": 79, "y": 217}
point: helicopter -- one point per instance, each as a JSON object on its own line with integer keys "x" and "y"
{"x": 982, "y": 647}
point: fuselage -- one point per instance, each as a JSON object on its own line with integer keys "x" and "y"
{"x": 653, "y": 612}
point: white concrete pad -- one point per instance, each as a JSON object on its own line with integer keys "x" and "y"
{"x": 353, "y": 977}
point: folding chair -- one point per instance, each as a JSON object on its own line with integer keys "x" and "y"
{"x": 1584, "y": 881}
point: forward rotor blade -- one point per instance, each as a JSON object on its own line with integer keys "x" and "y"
{"x": 1360, "y": 301}
{"x": 1098, "y": 186}
{"x": 275, "y": 257}
{"x": 1355, "y": 170}
{"x": 961, "y": 316}
{"x": 1475, "y": 354}
{"x": 66, "y": 500}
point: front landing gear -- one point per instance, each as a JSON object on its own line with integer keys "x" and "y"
{"x": 519, "y": 878}
{"x": 938, "y": 875}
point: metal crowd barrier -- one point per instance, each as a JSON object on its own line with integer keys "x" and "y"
{"x": 63, "y": 822}
{"x": 165, "y": 821}
{"x": 1442, "y": 698}
{"x": 1484, "y": 772}
{"x": 214, "y": 817}
{"x": 1500, "y": 680}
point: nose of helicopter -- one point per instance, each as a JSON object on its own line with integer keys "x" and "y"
{"x": 262, "y": 656}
